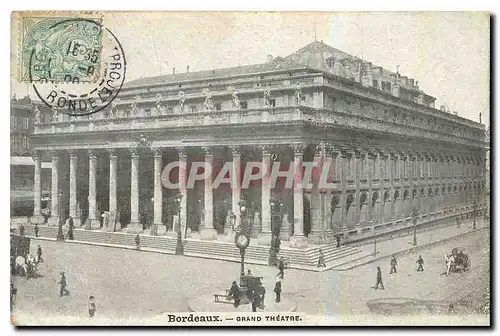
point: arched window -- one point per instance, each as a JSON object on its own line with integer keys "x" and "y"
{"x": 396, "y": 195}
{"x": 405, "y": 195}
{"x": 449, "y": 189}
{"x": 386, "y": 196}
{"x": 349, "y": 200}
{"x": 374, "y": 198}
{"x": 443, "y": 190}
{"x": 429, "y": 192}
{"x": 422, "y": 192}
{"x": 436, "y": 191}
{"x": 335, "y": 201}
{"x": 455, "y": 189}
{"x": 414, "y": 193}
{"x": 362, "y": 200}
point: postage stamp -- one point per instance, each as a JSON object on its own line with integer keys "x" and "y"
{"x": 74, "y": 64}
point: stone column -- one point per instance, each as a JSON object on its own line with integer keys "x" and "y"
{"x": 358, "y": 161}
{"x": 93, "y": 220}
{"x": 265, "y": 234}
{"x": 343, "y": 187}
{"x": 382, "y": 216}
{"x": 37, "y": 188}
{"x": 113, "y": 208}
{"x": 208, "y": 232}
{"x": 372, "y": 159}
{"x": 298, "y": 240}
{"x": 317, "y": 235}
{"x": 236, "y": 183}
{"x": 73, "y": 173}
{"x": 54, "y": 194}
{"x": 183, "y": 188}
{"x": 157, "y": 192}
{"x": 134, "y": 226}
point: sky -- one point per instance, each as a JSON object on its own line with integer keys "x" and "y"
{"x": 447, "y": 52}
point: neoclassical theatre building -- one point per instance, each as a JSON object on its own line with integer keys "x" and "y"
{"x": 390, "y": 150}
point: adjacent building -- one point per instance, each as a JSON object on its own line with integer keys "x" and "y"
{"x": 391, "y": 151}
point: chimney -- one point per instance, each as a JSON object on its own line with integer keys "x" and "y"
{"x": 270, "y": 58}
{"x": 173, "y": 70}
{"x": 412, "y": 82}
{"x": 442, "y": 108}
{"x": 187, "y": 69}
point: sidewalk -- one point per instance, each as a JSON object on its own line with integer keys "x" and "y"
{"x": 404, "y": 244}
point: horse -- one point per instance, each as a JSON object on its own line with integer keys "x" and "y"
{"x": 27, "y": 265}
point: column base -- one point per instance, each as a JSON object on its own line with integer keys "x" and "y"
{"x": 53, "y": 221}
{"x": 264, "y": 238}
{"x": 317, "y": 237}
{"x": 285, "y": 234}
{"x": 208, "y": 234}
{"x": 161, "y": 229}
{"x": 92, "y": 224}
{"x": 298, "y": 241}
{"x": 39, "y": 219}
{"x": 77, "y": 222}
{"x": 134, "y": 227}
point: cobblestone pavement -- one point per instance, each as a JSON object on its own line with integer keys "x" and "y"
{"x": 128, "y": 283}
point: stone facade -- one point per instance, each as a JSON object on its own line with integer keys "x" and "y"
{"x": 390, "y": 153}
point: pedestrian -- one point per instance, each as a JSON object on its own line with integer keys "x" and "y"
{"x": 249, "y": 272}
{"x": 21, "y": 230}
{"x": 281, "y": 267}
{"x": 254, "y": 298}
{"x": 36, "y": 229}
{"x": 379, "y": 279}
{"x": 235, "y": 294}
{"x": 137, "y": 242}
{"x": 92, "y": 307}
{"x": 420, "y": 263}
{"x": 458, "y": 222}
{"x": 277, "y": 290}
{"x": 179, "y": 247}
{"x": 70, "y": 228}
{"x": 261, "y": 292}
{"x": 13, "y": 294}
{"x": 63, "y": 284}
{"x": 277, "y": 244}
{"x": 337, "y": 237}
{"x": 39, "y": 253}
{"x": 394, "y": 263}
{"x": 321, "y": 259}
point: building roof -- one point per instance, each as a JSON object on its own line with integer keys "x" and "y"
{"x": 275, "y": 65}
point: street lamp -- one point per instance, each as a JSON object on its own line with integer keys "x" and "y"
{"x": 414, "y": 217}
{"x": 179, "y": 248}
{"x": 60, "y": 234}
{"x": 474, "y": 208}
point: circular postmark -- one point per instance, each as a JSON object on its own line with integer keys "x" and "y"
{"x": 76, "y": 66}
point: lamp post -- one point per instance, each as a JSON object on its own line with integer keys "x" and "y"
{"x": 414, "y": 217}
{"x": 474, "y": 208}
{"x": 60, "y": 234}
{"x": 179, "y": 248}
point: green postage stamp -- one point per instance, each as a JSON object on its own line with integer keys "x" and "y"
{"x": 60, "y": 48}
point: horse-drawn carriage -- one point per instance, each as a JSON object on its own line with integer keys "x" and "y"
{"x": 21, "y": 262}
{"x": 457, "y": 261}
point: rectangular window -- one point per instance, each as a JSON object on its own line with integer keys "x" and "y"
{"x": 243, "y": 104}
{"x": 389, "y": 86}
{"x": 25, "y": 142}
{"x": 25, "y": 123}
{"x": 13, "y": 120}
{"x": 193, "y": 108}
{"x": 147, "y": 112}
{"x": 218, "y": 106}
{"x": 375, "y": 83}
{"x": 272, "y": 102}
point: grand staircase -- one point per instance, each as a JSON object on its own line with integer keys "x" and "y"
{"x": 222, "y": 250}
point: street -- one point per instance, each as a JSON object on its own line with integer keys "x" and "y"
{"x": 129, "y": 283}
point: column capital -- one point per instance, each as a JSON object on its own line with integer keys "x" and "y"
{"x": 92, "y": 154}
{"x": 54, "y": 154}
{"x": 235, "y": 150}
{"x": 298, "y": 148}
{"x": 209, "y": 150}
{"x": 382, "y": 152}
{"x": 73, "y": 153}
{"x": 182, "y": 151}
{"x": 266, "y": 149}
{"x": 112, "y": 152}
{"x": 157, "y": 152}
{"x": 372, "y": 153}
{"x": 320, "y": 149}
{"x": 134, "y": 152}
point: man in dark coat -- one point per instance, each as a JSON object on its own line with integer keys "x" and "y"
{"x": 92, "y": 307}
{"x": 420, "y": 263}
{"x": 281, "y": 267}
{"x": 394, "y": 263}
{"x": 277, "y": 244}
{"x": 21, "y": 230}
{"x": 379, "y": 279}
{"x": 235, "y": 294}
{"x": 321, "y": 259}
{"x": 137, "y": 242}
{"x": 63, "y": 284}
{"x": 13, "y": 294}
{"x": 277, "y": 290}
{"x": 261, "y": 294}
{"x": 36, "y": 229}
{"x": 39, "y": 253}
{"x": 70, "y": 228}
{"x": 337, "y": 237}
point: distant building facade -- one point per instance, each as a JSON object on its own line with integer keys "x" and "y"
{"x": 391, "y": 150}
{"x": 21, "y": 163}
